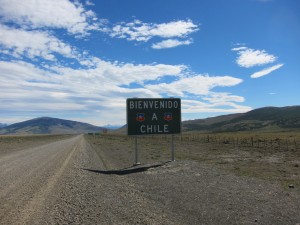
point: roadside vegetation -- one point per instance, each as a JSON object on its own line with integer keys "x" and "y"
{"x": 274, "y": 157}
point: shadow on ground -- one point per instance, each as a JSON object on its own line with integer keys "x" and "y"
{"x": 128, "y": 170}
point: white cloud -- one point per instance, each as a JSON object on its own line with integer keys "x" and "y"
{"x": 223, "y": 97}
{"x": 26, "y": 83}
{"x": 171, "y": 43}
{"x": 196, "y": 106}
{"x": 266, "y": 71}
{"x": 88, "y": 2}
{"x": 52, "y": 14}
{"x": 18, "y": 42}
{"x": 90, "y": 92}
{"x": 139, "y": 31}
{"x": 197, "y": 85}
{"x": 122, "y": 74}
{"x": 174, "y": 29}
{"x": 250, "y": 57}
{"x": 239, "y": 48}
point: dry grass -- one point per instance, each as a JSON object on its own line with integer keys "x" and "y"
{"x": 270, "y": 156}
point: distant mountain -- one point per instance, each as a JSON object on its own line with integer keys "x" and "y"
{"x": 48, "y": 125}
{"x": 3, "y": 125}
{"x": 113, "y": 127}
{"x": 267, "y": 118}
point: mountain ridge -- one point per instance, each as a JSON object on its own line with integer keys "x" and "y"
{"x": 261, "y": 119}
{"x": 266, "y": 118}
{"x": 49, "y": 125}
{"x": 3, "y": 125}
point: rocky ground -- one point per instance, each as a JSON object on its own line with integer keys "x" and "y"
{"x": 92, "y": 180}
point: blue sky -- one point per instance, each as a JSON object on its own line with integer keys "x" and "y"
{"x": 80, "y": 60}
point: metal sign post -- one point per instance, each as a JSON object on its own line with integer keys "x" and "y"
{"x": 136, "y": 160}
{"x": 173, "y": 148}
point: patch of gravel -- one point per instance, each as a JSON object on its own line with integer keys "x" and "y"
{"x": 199, "y": 194}
{"x": 196, "y": 192}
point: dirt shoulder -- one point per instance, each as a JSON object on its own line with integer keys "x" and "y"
{"x": 198, "y": 188}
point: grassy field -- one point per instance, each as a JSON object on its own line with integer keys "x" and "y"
{"x": 274, "y": 157}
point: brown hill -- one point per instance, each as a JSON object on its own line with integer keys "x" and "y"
{"x": 267, "y": 118}
{"x": 48, "y": 125}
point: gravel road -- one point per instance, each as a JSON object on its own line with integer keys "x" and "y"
{"x": 73, "y": 182}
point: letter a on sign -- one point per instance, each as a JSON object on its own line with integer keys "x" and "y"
{"x": 154, "y": 117}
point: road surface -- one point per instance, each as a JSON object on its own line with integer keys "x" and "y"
{"x": 59, "y": 183}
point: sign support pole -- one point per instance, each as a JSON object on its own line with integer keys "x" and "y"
{"x": 136, "y": 153}
{"x": 173, "y": 148}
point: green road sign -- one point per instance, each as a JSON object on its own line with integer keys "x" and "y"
{"x": 148, "y": 116}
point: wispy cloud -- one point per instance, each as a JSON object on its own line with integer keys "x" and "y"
{"x": 62, "y": 14}
{"x": 171, "y": 43}
{"x": 27, "y": 83}
{"x": 139, "y": 31}
{"x": 250, "y": 57}
{"x": 107, "y": 74}
{"x": 196, "y": 106}
{"x": 78, "y": 21}
{"x": 101, "y": 91}
{"x": 19, "y": 43}
{"x": 197, "y": 85}
{"x": 88, "y": 2}
{"x": 266, "y": 71}
{"x": 215, "y": 98}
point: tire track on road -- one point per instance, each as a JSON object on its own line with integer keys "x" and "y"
{"x": 23, "y": 199}
{"x": 38, "y": 201}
